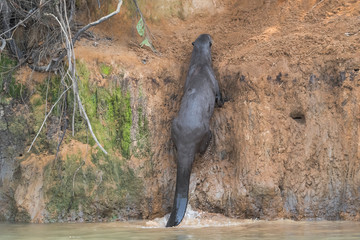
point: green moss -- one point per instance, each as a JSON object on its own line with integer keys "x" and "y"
{"x": 12, "y": 89}
{"x": 125, "y": 186}
{"x": 63, "y": 187}
{"x": 51, "y": 89}
{"x": 119, "y": 115}
{"x": 37, "y": 115}
{"x": 109, "y": 112}
{"x": 143, "y": 148}
{"x": 89, "y": 98}
{"x": 96, "y": 188}
{"x": 36, "y": 100}
{"x": 6, "y": 65}
{"x": 3, "y": 125}
{"x": 17, "y": 125}
{"x": 22, "y": 216}
{"x": 105, "y": 70}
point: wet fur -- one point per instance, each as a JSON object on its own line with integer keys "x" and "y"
{"x": 190, "y": 130}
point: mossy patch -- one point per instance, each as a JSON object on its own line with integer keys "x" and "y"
{"x": 105, "y": 69}
{"x": 143, "y": 147}
{"x": 98, "y": 190}
{"x": 17, "y": 125}
{"x": 119, "y": 115}
{"x": 50, "y": 91}
{"x": 60, "y": 187}
{"x": 109, "y": 111}
{"x": 9, "y": 87}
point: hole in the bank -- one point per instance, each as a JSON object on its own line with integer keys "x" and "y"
{"x": 298, "y": 117}
{"x": 356, "y": 69}
{"x": 20, "y": 155}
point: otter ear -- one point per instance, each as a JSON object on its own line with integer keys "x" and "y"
{"x": 210, "y": 43}
{"x": 193, "y": 43}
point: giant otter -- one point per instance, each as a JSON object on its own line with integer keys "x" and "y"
{"x": 190, "y": 129}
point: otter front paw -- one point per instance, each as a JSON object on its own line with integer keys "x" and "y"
{"x": 219, "y": 100}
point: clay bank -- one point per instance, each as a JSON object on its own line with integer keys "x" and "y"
{"x": 285, "y": 144}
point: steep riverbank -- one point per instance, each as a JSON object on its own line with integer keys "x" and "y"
{"x": 286, "y": 143}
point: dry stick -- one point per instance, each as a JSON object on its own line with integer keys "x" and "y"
{"x": 70, "y": 51}
{"x": 73, "y": 118}
{"x": 3, "y": 44}
{"x": 98, "y": 21}
{"x": 72, "y": 10}
{"x": 89, "y": 125}
{"x": 31, "y": 12}
{"x": 76, "y": 92}
{"x": 49, "y": 14}
{"x": 71, "y": 56}
{"x": 5, "y": 11}
{"x": 42, "y": 125}
{"x": 316, "y": 5}
{"x": 55, "y": 61}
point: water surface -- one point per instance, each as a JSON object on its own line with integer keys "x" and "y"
{"x": 207, "y": 230}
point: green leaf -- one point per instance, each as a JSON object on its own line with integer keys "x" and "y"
{"x": 140, "y": 27}
{"x": 145, "y": 42}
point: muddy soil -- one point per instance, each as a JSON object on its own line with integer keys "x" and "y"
{"x": 286, "y": 144}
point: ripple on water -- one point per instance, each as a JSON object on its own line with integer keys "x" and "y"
{"x": 198, "y": 219}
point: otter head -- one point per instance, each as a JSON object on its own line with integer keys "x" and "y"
{"x": 204, "y": 40}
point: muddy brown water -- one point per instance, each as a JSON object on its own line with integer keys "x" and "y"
{"x": 205, "y": 229}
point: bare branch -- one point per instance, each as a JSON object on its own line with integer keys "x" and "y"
{"x": 73, "y": 118}
{"x": 5, "y": 11}
{"x": 89, "y": 124}
{"x": 55, "y": 62}
{"x": 31, "y": 13}
{"x": 72, "y": 10}
{"x": 71, "y": 62}
{"x": 64, "y": 20}
{"x": 46, "y": 117}
{"x": 98, "y": 21}
{"x": 3, "y": 44}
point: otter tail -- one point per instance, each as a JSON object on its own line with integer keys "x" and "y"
{"x": 184, "y": 165}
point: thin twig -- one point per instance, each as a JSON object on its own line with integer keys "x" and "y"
{"x": 55, "y": 61}
{"x": 31, "y": 12}
{"x": 70, "y": 53}
{"x": 3, "y": 44}
{"x": 316, "y": 5}
{"x": 64, "y": 23}
{"x": 46, "y": 95}
{"x": 46, "y": 117}
{"x": 89, "y": 124}
{"x": 98, "y": 21}
{"x": 73, "y": 117}
{"x": 72, "y": 10}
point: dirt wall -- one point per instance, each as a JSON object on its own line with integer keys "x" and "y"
{"x": 285, "y": 144}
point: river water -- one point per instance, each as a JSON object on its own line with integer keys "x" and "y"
{"x": 204, "y": 229}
